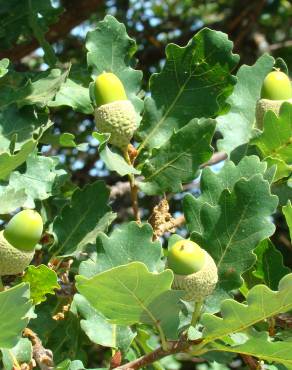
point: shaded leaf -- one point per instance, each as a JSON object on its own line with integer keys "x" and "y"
{"x": 73, "y": 95}
{"x": 9, "y": 162}
{"x": 87, "y": 211}
{"x": 21, "y": 125}
{"x": 98, "y": 329}
{"x": 269, "y": 266}
{"x": 287, "y": 211}
{"x": 178, "y": 160}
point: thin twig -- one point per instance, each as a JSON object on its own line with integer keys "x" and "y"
{"x": 149, "y": 358}
{"x": 42, "y": 356}
{"x": 134, "y": 190}
{"x": 251, "y": 362}
{"x": 216, "y": 158}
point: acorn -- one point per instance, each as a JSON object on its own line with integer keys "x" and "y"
{"x": 275, "y": 91}
{"x": 194, "y": 269}
{"x": 18, "y": 241}
{"x": 115, "y": 114}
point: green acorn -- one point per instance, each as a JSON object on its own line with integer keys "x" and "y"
{"x": 18, "y": 240}
{"x": 275, "y": 91}
{"x": 194, "y": 269}
{"x": 114, "y": 114}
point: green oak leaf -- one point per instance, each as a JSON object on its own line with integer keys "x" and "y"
{"x": 212, "y": 185}
{"x": 74, "y": 365}
{"x": 130, "y": 294}
{"x": 86, "y": 215}
{"x": 232, "y": 228}
{"x": 260, "y": 345}
{"x": 236, "y": 126}
{"x": 98, "y": 329}
{"x": 275, "y": 142}
{"x": 4, "y": 63}
{"x": 39, "y": 178}
{"x": 73, "y": 95}
{"x": 194, "y": 82}
{"x": 127, "y": 243}
{"x": 11, "y": 199}
{"x": 37, "y": 90}
{"x": 110, "y": 49}
{"x": 14, "y": 308}
{"x": 42, "y": 281}
{"x": 65, "y": 139}
{"x": 9, "y": 162}
{"x": 261, "y": 303}
{"x": 269, "y": 266}
{"x": 20, "y": 123}
{"x": 22, "y": 352}
{"x": 287, "y": 211}
{"x": 178, "y": 160}
{"x": 115, "y": 162}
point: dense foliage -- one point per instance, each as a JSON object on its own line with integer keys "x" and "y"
{"x": 99, "y": 293}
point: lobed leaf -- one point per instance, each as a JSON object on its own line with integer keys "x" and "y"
{"x": 236, "y": 126}
{"x": 230, "y": 230}
{"x": 81, "y": 220}
{"x": 42, "y": 281}
{"x": 130, "y": 294}
{"x": 178, "y": 160}
{"x": 127, "y": 243}
{"x": 98, "y": 329}
{"x": 269, "y": 266}
{"x": 275, "y": 142}
{"x": 110, "y": 49}
{"x": 213, "y": 184}
{"x": 194, "y": 82}
{"x": 261, "y": 303}
{"x": 14, "y": 308}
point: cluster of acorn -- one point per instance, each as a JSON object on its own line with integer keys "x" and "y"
{"x": 195, "y": 271}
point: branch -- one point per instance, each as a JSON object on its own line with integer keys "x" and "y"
{"x": 42, "y": 356}
{"x": 216, "y": 158}
{"x": 149, "y": 358}
{"x": 78, "y": 12}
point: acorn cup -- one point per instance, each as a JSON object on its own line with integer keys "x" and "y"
{"x": 115, "y": 114}
{"x": 18, "y": 241}
{"x": 275, "y": 91}
{"x": 195, "y": 271}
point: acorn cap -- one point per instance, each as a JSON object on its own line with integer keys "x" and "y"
{"x": 118, "y": 118}
{"x": 12, "y": 260}
{"x": 199, "y": 285}
{"x": 263, "y": 105}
